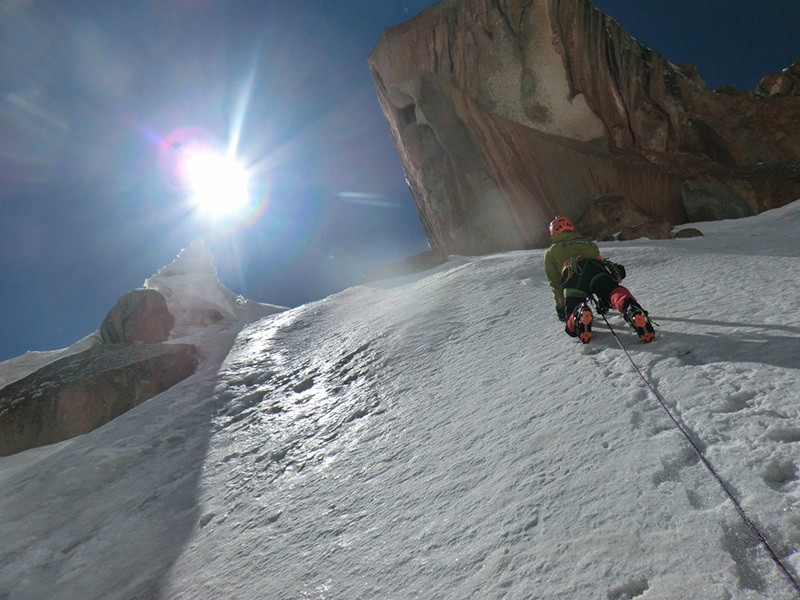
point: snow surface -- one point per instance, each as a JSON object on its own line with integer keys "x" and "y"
{"x": 438, "y": 436}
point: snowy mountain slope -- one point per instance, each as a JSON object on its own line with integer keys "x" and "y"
{"x": 439, "y": 437}
{"x": 17, "y": 368}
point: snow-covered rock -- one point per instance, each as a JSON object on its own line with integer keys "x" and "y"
{"x": 193, "y": 291}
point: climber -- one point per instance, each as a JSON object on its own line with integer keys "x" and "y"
{"x": 576, "y": 273}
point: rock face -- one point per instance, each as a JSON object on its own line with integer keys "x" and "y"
{"x": 79, "y": 393}
{"x": 784, "y": 83}
{"x": 508, "y": 112}
{"x": 138, "y": 316}
{"x": 615, "y": 218}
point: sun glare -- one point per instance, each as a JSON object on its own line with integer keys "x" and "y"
{"x": 217, "y": 184}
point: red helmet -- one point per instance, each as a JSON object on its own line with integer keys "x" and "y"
{"x": 560, "y": 225}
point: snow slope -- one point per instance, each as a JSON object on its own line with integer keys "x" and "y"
{"x": 438, "y": 436}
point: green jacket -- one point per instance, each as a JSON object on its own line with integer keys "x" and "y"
{"x": 563, "y": 247}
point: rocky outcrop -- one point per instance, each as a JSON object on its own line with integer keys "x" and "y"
{"x": 508, "y": 112}
{"x": 615, "y": 218}
{"x": 687, "y": 232}
{"x": 138, "y": 316}
{"x": 79, "y": 393}
{"x": 783, "y": 83}
{"x": 710, "y": 199}
{"x": 90, "y": 383}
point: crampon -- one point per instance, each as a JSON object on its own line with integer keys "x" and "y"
{"x": 583, "y": 323}
{"x": 637, "y": 318}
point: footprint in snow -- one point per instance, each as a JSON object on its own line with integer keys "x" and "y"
{"x": 778, "y": 473}
{"x": 787, "y": 436}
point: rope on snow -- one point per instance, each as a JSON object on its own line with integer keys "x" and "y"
{"x": 753, "y": 528}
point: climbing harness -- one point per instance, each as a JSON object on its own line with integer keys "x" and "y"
{"x": 753, "y": 528}
{"x": 615, "y": 270}
{"x": 571, "y": 268}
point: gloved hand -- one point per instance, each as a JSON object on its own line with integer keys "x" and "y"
{"x": 562, "y": 313}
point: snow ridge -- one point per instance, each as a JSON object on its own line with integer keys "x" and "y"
{"x": 194, "y": 294}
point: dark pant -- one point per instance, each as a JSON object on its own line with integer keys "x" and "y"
{"x": 589, "y": 276}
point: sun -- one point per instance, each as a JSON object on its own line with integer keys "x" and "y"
{"x": 217, "y": 184}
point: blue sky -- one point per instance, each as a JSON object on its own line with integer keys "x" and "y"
{"x": 735, "y": 42}
{"x": 94, "y": 96}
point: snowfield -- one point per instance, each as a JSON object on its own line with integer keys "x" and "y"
{"x": 439, "y": 436}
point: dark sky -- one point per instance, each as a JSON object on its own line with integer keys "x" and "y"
{"x": 94, "y": 93}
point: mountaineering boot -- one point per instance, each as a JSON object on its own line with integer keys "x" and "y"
{"x": 637, "y": 317}
{"x": 583, "y": 323}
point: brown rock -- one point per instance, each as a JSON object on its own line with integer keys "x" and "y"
{"x": 687, "y": 232}
{"x": 785, "y": 83}
{"x": 139, "y": 316}
{"x": 690, "y": 70}
{"x": 729, "y": 90}
{"x": 507, "y": 113}
{"x": 79, "y": 393}
{"x": 706, "y": 198}
{"x": 613, "y": 217}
